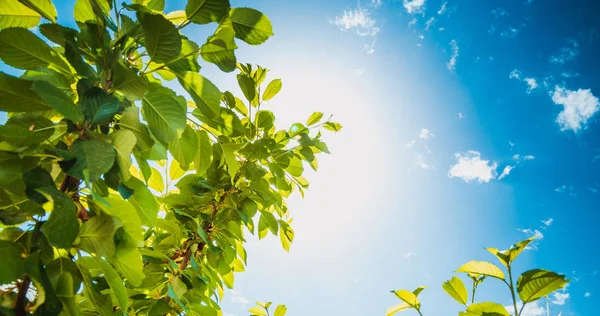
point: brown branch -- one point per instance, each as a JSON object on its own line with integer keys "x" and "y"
{"x": 21, "y": 296}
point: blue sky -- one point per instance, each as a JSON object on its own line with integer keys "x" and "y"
{"x": 467, "y": 124}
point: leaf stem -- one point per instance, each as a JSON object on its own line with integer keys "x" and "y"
{"x": 22, "y": 292}
{"x": 512, "y": 291}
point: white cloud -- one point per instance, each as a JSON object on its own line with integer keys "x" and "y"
{"x": 425, "y": 134}
{"x": 566, "y": 53}
{"x": 470, "y": 167}
{"x": 567, "y": 189}
{"x": 587, "y": 294}
{"x": 532, "y": 83}
{"x": 531, "y": 309}
{"x": 412, "y": 22}
{"x": 421, "y": 36}
{"x": 560, "y": 298}
{"x": 548, "y": 222}
{"x": 579, "y": 107}
{"x": 442, "y": 29}
{"x": 443, "y": 8}
{"x": 414, "y": 6}
{"x": 460, "y": 116}
{"x": 505, "y": 172}
{"x": 412, "y": 142}
{"x": 429, "y": 23}
{"x": 358, "y": 20}
{"x": 518, "y": 158}
{"x": 370, "y": 48}
{"x": 492, "y": 29}
{"x": 532, "y": 233}
{"x": 376, "y": 3}
{"x": 452, "y": 63}
{"x": 420, "y": 162}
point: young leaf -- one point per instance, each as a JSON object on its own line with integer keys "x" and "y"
{"x": 251, "y": 26}
{"x": 44, "y": 7}
{"x": 508, "y": 256}
{"x": 409, "y": 298}
{"x": 272, "y": 89}
{"x": 184, "y": 148}
{"x": 486, "y": 309}
{"x": 62, "y": 226}
{"x": 15, "y": 14}
{"x": 232, "y": 164}
{"x": 314, "y": 118}
{"x": 397, "y": 308}
{"x": 537, "y": 283}
{"x": 482, "y": 268}
{"x": 280, "y": 310}
{"x": 143, "y": 201}
{"x": 204, "y": 153}
{"x": 247, "y": 85}
{"x": 457, "y": 290}
{"x": 115, "y": 282}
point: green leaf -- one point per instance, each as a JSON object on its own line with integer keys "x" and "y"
{"x": 397, "y": 308}
{"x": 206, "y": 11}
{"x": 418, "y": 290}
{"x": 232, "y": 164}
{"x": 101, "y": 302}
{"x": 409, "y": 298}
{"x": 130, "y": 119}
{"x": 272, "y": 89}
{"x": 96, "y": 235}
{"x": 247, "y": 85}
{"x": 257, "y": 311}
{"x": 66, "y": 294}
{"x": 482, "y": 268}
{"x": 204, "y": 93}
{"x": 280, "y": 310}
{"x": 95, "y": 156}
{"x": 61, "y": 102}
{"x": 84, "y": 12}
{"x": 115, "y": 282}
{"x": 15, "y": 14}
{"x": 286, "y": 235}
{"x": 12, "y": 262}
{"x": 332, "y": 126}
{"x": 165, "y": 114}
{"x": 123, "y": 140}
{"x": 188, "y": 58}
{"x": 314, "y": 118}
{"x": 16, "y": 95}
{"x": 143, "y": 201}
{"x": 537, "y": 283}
{"x": 162, "y": 39}
{"x": 34, "y": 268}
{"x": 203, "y": 156}
{"x": 457, "y": 290}
{"x": 156, "y": 181}
{"x": 486, "y": 309}
{"x": 265, "y": 119}
{"x": 219, "y": 49}
{"x": 156, "y": 5}
{"x": 62, "y": 226}
{"x": 508, "y": 256}
{"x": 24, "y": 50}
{"x": 44, "y": 7}
{"x": 126, "y": 213}
{"x": 128, "y": 82}
{"x": 269, "y": 221}
{"x": 296, "y": 129}
{"x": 251, "y": 26}
{"x": 184, "y": 148}
{"x": 98, "y": 106}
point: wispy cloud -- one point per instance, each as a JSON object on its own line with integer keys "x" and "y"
{"x": 420, "y": 162}
{"x": 409, "y": 255}
{"x": 567, "y": 189}
{"x": 505, "y": 172}
{"x": 499, "y": 12}
{"x": 425, "y": 133}
{"x": 470, "y": 167}
{"x": 414, "y": 6}
{"x": 376, "y": 3}
{"x": 579, "y": 107}
{"x": 358, "y": 20}
{"x": 566, "y": 53}
{"x": 560, "y": 298}
{"x": 443, "y": 8}
{"x": 548, "y": 222}
{"x": 532, "y": 233}
{"x": 531, "y": 82}
{"x": 587, "y": 294}
{"x": 429, "y": 22}
{"x": 510, "y": 32}
{"x": 454, "y": 56}
{"x": 460, "y": 115}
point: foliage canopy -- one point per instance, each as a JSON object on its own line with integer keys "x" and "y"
{"x": 119, "y": 196}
